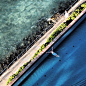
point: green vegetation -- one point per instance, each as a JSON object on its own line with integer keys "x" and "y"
{"x": 38, "y": 51}
{"x": 56, "y": 32}
{"x": 76, "y": 13}
{"x": 52, "y": 36}
{"x": 61, "y": 27}
{"x": 14, "y": 75}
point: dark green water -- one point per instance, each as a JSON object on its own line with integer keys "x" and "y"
{"x": 18, "y": 19}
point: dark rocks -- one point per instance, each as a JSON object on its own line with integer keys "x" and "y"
{"x": 56, "y": 17}
{"x": 65, "y": 5}
{"x": 41, "y": 26}
{"x": 8, "y": 61}
{"x": 3, "y": 65}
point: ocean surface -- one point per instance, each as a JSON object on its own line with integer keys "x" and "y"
{"x": 66, "y": 70}
{"x": 18, "y": 18}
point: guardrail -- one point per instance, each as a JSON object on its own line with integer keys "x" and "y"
{"x": 39, "y": 36}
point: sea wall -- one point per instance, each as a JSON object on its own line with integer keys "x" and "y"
{"x": 54, "y": 43}
{"x": 43, "y": 26}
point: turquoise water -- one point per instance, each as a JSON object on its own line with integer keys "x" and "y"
{"x": 18, "y": 18}
{"x": 66, "y": 70}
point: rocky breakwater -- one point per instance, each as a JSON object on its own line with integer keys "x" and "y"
{"x": 40, "y": 28}
{"x": 21, "y": 48}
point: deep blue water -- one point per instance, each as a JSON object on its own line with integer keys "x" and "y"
{"x": 18, "y": 19}
{"x": 69, "y": 68}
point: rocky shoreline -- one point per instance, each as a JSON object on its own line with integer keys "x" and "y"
{"x": 42, "y": 26}
{"x": 41, "y": 30}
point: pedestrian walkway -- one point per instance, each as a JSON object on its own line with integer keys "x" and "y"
{"x": 27, "y": 56}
